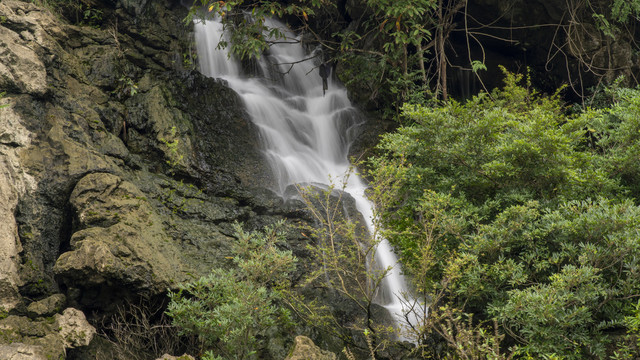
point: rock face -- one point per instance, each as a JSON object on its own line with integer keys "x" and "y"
{"x": 14, "y": 183}
{"x": 118, "y": 239}
{"x": 22, "y": 70}
{"x": 74, "y": 328}
{"x": 44, "y": 338}
{"x": 122, "y": 168}
{"x": 47, "y": 306}
{"x": 305, "y": 349}
{"x": 170, "y": 357}
{"x": 20, "y": 351}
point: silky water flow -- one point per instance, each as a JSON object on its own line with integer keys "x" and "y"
{"x": 305, "y": 131}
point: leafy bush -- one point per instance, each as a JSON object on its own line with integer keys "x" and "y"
{"x": 509, "y": 210}
{"x": 342, "y": 261}
{"x": 232, "y": 310}
{"x": 614, "y": 135}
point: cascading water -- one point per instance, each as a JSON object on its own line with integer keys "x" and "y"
{"x": 305, "y": 132}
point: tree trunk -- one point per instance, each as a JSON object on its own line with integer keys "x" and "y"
{"x": 421, "y": 62}
{"x": 442, "y": 58}
{"x": 405, "y": 72}
{"x": 443, "y": 68}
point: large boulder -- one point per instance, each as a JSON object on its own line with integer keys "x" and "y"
{"x": 305, "y": 349}
{"x": 119, "y": 239}
{"x": 44, "y": 337}
{"x": 74, "y": 329}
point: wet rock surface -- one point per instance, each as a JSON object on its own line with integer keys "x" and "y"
{"x": 122, "y": 169}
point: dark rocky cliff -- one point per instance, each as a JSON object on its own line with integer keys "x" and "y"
{"x": 121, "y": 168}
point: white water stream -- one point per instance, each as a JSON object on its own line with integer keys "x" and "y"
{"x": 305, "y": 134}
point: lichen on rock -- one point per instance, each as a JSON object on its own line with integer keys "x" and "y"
{"x": 118, "y": 239}
{"x": 44, "y": 337}
{"x": 22, "y": 69}
{"x": 74, "y": 328}
{"x": 47, "y": 306}
{"x": 305, "y": 349}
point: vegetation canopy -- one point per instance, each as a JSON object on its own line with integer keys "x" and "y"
{"x": 394, "y": 52}
{"x": 516, "y": 216}
{"x": 509, "y": 210}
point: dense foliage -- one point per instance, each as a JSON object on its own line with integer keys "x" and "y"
{"x": 517, "y": 218}
{"x": 393, "y": 52}
{"x": 231, "y": 310}
{"x": 247, "y": 21}
{"x": 509, "y": 209}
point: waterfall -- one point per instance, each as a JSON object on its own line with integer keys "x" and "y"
{"x": 305, "y": 132}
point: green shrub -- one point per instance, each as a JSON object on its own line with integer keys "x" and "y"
{"x": 614, "y": 136}
{"x": 232, "y": 310}
{"x": 507, "y": 209}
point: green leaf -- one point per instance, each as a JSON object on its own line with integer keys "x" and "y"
{"x": 477, "y": 65}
